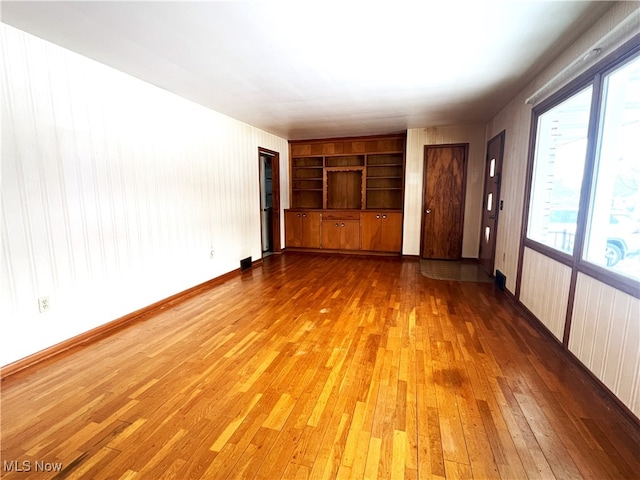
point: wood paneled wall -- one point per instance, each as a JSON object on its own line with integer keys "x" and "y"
{"x": 113, "y": 193}
{"x": 417, "y": 138}
{"x": 605, "y": 336}
{"x": 545, "y": 290}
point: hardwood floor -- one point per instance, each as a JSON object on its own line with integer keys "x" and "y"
{"x": 317, "y": 366}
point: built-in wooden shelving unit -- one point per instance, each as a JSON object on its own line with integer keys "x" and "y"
{"x": 352, "y": 173}
{"x": 347, "y": 193}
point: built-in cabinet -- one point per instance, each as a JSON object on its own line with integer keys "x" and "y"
{"x": 381, "y": 231}
{"x": 302, "y": 228}
{"x": 341, "y": 230}
{"x": 355, "y": 187}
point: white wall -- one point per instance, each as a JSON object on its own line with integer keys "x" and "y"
{"x": 605, "y": 330}
{"x": 113, "y": 193}
{"x": 417, "y": 138}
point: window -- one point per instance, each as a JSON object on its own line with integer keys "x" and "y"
{"x": 584, "y": 195}
{"x": 613, "y": 234}
{"x": 561, "y": 146}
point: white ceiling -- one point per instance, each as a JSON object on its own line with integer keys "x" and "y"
{"x": 322, "y": 69}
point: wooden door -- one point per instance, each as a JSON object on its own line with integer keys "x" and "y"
{"x": 443, "y": 201}
{"x": 490, "y": 203}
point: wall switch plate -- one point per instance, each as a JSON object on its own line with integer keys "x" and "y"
{"x": 43, "y": 304}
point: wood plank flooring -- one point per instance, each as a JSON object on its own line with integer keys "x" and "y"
{"x": 318, "y": 367}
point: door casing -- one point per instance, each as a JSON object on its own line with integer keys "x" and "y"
{"x": 275, "y": 217}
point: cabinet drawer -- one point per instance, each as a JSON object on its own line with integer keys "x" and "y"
{"x": 341, "y": 215}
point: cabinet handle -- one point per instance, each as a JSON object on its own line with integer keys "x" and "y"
{"x": 342, "y": 225}
{"x": 304, "y": 215}
{"x": 377, "y": 216}
{"x": 337, "y": 225}
{"x": 298, "y": 215}
{"x": 384, "y": 216}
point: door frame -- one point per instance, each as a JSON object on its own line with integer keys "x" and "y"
{"x": 464, "y": 145}
{"x": 275, "y": 192}
{"x": 498, "y": 205}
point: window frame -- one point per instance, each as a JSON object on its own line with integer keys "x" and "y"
{"x": 594, "y": 77}
{"x": 538, "y": 111}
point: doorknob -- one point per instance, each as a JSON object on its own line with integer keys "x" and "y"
{"x": 427, "y": 211}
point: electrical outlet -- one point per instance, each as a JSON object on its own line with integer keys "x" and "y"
{"x": 43, "y": 304}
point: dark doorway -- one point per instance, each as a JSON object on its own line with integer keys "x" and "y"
{"x": 269, "y": 201}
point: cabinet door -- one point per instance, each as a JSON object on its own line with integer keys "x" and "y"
{"x": 350, "y": 236}
{"x": 341, "y": 234}
{"x": 311, "y": 229}
{"x": 391, "y": 238}
{"x": 293, "y": 229}
{"x": 331, "y": 234}
{"x": 371, "y": 230}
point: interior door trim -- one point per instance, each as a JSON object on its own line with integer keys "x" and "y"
{"x": 275, "y": 178}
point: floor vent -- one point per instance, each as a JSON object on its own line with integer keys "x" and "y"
{"x": 245, "y": 264}
{"x": 501, "y": 280}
